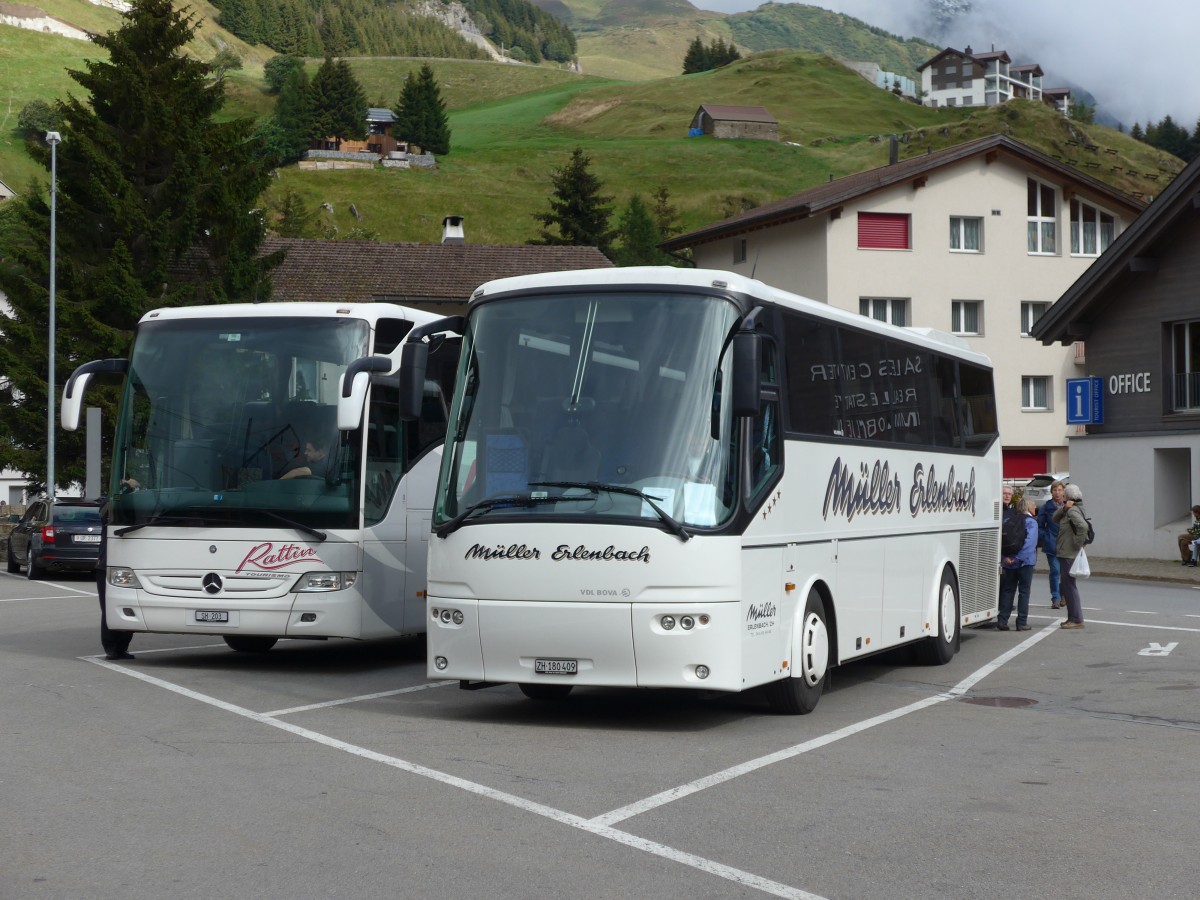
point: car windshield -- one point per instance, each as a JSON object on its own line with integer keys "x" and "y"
{"x": 592, "y": 406}
{"x": 218, "y": 411}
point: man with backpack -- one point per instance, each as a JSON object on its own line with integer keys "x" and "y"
{"x": 1018, "y": 554}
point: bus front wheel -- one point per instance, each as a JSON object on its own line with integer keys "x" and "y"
{"x": 799, "y": 692}
{"x": 545, "y": 691}
{"x": 941, "y": 647}
{"x": 249, "y": 643}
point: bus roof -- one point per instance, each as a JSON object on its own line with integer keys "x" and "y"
{"x": 372, "y": 312}
{"x": 709, "y": 279}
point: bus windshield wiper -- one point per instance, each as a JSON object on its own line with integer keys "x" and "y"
{"x": 673, "y": 524}
{"x": 160, "y": 520}
{"x": 495, "y": 503}
{"x": 205, "y": 520}
{"x": 299, "y": 526}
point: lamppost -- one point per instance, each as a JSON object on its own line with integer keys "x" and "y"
{"x": 53, "y": 139}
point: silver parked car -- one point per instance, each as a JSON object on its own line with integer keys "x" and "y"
{"x": 1038, "y": 488}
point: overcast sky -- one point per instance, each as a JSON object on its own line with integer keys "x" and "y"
{"x": 1137, "y": 58}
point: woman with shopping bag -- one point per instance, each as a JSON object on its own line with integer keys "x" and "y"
{"x": 1072, "y": 538}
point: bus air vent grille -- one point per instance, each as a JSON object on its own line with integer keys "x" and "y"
{"x": 978, "y": 581}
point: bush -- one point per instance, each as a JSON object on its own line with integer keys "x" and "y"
{"x": 36, "y": 118}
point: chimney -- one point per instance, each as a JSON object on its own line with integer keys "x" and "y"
{"x": 893, "y": 150}
{"x": 968, "y": 51}
{"x": 452, "y": 230}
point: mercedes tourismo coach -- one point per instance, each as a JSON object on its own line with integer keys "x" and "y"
{"x": 263, "y": 485}
{"x": 659, "y": 477}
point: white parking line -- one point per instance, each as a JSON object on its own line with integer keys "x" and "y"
{"x": 359, "y": 698}
{"x": 684, "y": 790}
{"x": 1140, "y": 612}
{"x": 51, "y": 597}
{"x": 729, "y": 873}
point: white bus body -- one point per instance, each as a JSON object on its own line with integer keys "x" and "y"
{"x": 205, "y": 537}
{"x": 668, "y": 478}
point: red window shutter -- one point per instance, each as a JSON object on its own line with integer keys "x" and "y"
{"x": 883, "y": 231}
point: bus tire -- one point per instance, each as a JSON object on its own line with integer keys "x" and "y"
{"x": 246, "y": 643}
{"x": 545, "y": 691}
{"x": 799, "y": 693}
{"x": 941, "y": 647}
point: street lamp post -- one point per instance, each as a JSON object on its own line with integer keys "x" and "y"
{"x": 53, "y": 139}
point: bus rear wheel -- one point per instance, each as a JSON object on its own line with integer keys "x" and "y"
{"x": 249, "y": 643}
{"x": 799, "y": 692}
{"x": 941, "y": 647}
{"x": 545, "y": 691}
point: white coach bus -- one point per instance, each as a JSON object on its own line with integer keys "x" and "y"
{"x": 672, "y": 478}
{"x": 263, "y": 485}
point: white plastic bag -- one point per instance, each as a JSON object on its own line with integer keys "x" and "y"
{"x": 1080, "y": 568}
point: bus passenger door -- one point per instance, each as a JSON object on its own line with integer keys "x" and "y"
{"x": 858, "y": 596}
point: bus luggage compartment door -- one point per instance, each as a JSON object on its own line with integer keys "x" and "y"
{"x": 519, "y": 638}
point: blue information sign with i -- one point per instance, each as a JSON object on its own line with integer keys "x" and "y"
{"x": 1085, "y": 401}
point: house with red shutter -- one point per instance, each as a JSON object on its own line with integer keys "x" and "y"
{"x": 977, "y": 240}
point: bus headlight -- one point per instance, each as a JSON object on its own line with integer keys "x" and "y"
{"x": 119, "y": 576}
{"x": 315, "y": 582}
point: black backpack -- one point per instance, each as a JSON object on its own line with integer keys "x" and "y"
{"x": 1091, "y": 532}
{"x": 1012, "y": 532}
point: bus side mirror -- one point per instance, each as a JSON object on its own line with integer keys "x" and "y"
{"x": 414, "y": 360}
{"x": 76, "y": 388}
{"x": 352, "y": 393}
{"x": 747, "y": 372}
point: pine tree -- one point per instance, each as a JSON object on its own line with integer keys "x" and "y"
{"x": 421, "y": 113}
{"x": 696, "y": 58}
{"x": 145, "y": 176}
{"x": 639, "y": 237}
{"x": 666, "y": 216}
{"x": 293, "y": 119}
{"x": 1136, "y": 132}
{"x": 435, "y": 126}
{"x": 577, "y": 209}
{"x": 339, "y": 105}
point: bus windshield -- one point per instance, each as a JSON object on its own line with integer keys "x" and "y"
{"x": 249, "y": 435}
{"x": 593, "y": 406}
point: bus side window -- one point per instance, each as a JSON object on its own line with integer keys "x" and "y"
{"x": 766, "y": 455}
{"x": 383, "y": 451}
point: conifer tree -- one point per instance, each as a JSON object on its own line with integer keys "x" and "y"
{"x": 578, "y": 211}
{"x": 339, "y": 105}
{"x": 421, "y": 113}
{"x": 639, "y": 237}
{"x": 145, "y": 176}
{"x": 696, "y": 58}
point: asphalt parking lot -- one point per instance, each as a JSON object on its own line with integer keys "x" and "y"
{"x": 1043, "y": 763}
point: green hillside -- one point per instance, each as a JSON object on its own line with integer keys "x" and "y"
{"x": 797, "y": 26}
{"x": 505, "y": 147}
{"x": 513, "y": 125}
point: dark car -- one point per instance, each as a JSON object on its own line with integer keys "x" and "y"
{"x": 62, "y": 535}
